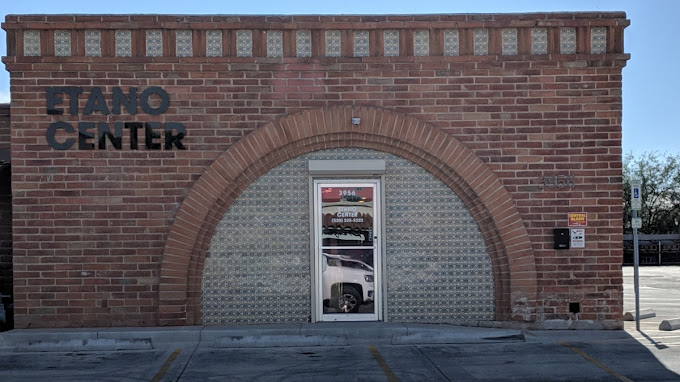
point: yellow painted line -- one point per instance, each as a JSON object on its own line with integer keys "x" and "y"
{"x": 383, "y": 365}
{"x": 166, "y": 366}
{"x": 596, "y": 362}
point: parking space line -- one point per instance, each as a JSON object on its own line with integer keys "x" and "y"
{"x": 596, "y": 362}
{"x": 166, "y": 366}
{"x": 383, "y": 365}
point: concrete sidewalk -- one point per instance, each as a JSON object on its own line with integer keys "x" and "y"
{"x": 251, "y": 336}
{"x": 333, "y": 352}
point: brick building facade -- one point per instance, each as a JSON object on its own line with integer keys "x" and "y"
{"x": 137, "y": 139}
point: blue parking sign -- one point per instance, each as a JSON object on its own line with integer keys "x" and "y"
{"x": 635, "y": 197}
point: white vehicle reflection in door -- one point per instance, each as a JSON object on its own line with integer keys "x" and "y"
{"x": 347, "y": 284}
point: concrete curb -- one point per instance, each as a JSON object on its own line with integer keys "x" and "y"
{"x": 335, "y": 334}
{"x": 644, "y": 313}
{"x": 670, "y": 325}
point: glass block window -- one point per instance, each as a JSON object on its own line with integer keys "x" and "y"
{"x": 62, "y": 43}
{"x": 481, "y": 41}
{"x": 184, "y": 43}
{"x": 568, "y": 40}
{"x": 421, "y": 42}
{"x": 539, "y": 41}
{"x": 303, "y": 43}
{"x": 361, "y": 44}
{"x": 123, "y": 43}
{"x": 213, "y": 43}
{"x": 437, "y": 267}
{"x": 31, "y": 43}
{"x": 509, "y": 37}
{"x": 274, "y": 44}
{"x": 244, "y": 43}
{"x": 451, "y": 42}
{"x": 391, "y": 42}
{"x": 154, "y": 43}
{"x": 333, "y": 43}
{"x": 93, "y": 43}
{"x": 598, "y": 40}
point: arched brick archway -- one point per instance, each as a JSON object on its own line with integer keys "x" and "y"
{"x": 380, "y": 129}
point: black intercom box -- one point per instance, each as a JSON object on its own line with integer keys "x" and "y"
{"x": 562, "y": 238}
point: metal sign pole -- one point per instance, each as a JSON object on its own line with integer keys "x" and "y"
{"x": 635, "y": 206}
{"x": 636, "y": 276}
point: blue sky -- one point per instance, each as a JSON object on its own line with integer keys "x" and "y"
{"x": 650, "y": 80}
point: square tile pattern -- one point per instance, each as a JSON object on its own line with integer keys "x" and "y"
{"x": 154, "y": 43}
{"x": 421, "y": 42}
{"x": 333, "y": 43}
{"x": 539, "y": 41}
{"x": 184, "y": 43}
{"x": 598, "y": 40}
{"x": 303, "y": 43}
{"x": 391, "y": 43}
{"x": 62, "y": 43}
{"x": 361, "y": 44}
{"x": 274, "y": 44}
{"x": 93, "y": 43}
{"x": 244, "y": 43}
{"x": 213, "y": 43}
{"x": 451, "y": 42}
{"x": 31, "y": 43}
{"x": 509, "y": 36}
{"x": 123, "y": 43}
{"x": 568, "y": 40}
{"x": 481, "y": 41}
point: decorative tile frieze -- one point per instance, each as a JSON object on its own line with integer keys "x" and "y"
{"x": 509, "y": 43}
{"x": 123, "y": 43}
{"x": 451, "y": 42}
{"x": 184, "y": 43}
{"x": 481, "y": 41}
{"x": 391, "y": 43}
{"x": 568, "y": 40}
{"x": 274, "y": 43}
{"x": 421, "y": 42}
{"x": 31, "y": 43}
{"x": 213, "y": 43}
{"x": 598, "y": 40}
{"x": 333, "y": 43}
{"x": 244, "y": 43}
{"x": 539, "y": 41}
{"x": 303, "y": 43}
{"x": 361, "y": 44}
{"x": 154, "y": 43}
{"x": 62, "y": 43}
{"x": 93, "y": 43}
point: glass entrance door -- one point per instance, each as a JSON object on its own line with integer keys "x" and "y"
{"x": 347, "y": 250}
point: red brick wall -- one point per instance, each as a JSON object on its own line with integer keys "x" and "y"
{"x": 91, "y": 226}
{"x": 4, "y": 127}
{"x": 5, "y": 241}
{"x": 5, "y": 214}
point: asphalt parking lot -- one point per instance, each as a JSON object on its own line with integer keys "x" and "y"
{"x": 364, "y": 352}
{"x": 659, "y": 291}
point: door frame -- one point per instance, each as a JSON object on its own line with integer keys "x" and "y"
{"x": 377, "y": 183}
